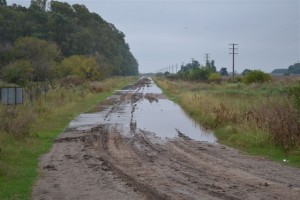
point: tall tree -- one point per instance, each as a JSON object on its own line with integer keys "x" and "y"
{"x": 73, "y": 28}
{"x": 80, "y": 66}
{"x": 212, "y": 66}
{"x": 41, "y": 54}
{"x": 18, "y": 72}
{"x": 3, "y": 3}
{"x": 223, "y": 72}
{"x": 39, "y": 4}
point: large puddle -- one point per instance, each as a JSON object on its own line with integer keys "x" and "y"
{"x": 164, "y": 118}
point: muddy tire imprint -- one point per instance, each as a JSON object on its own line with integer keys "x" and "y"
{"x": 104, "y": 163}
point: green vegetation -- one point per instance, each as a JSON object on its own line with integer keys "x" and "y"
{"x": 58, "y": 54}
{"x": 256, "y": 76}
{"x": 295, "y": 68}
{"x": 194, "y": 71}
{"x": 294, "y": 92}
{"x": 44, "y": 37}
{"x": 257, "y": 118}
{"x": 208, "y": 73}
{"x": 292, "y": 69}
{"x": 27, "y": 131}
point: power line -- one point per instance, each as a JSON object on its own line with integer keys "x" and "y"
{"x": 233, "y": 53}
{"x": 206, "y": 57}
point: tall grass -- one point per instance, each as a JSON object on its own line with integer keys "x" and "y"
{"x": 28, "y": 130}
{"x": 244, "y": 116}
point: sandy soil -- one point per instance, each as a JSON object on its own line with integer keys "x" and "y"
{"x": 103, "y": 163}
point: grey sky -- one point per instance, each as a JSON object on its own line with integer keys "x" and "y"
{"x": 166, "y": 33}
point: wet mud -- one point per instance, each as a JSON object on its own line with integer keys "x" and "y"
{"x": 116, "y": 153}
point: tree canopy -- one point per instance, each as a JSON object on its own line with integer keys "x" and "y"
{"x": 66, "y": 30}
{"x": 194, "y": 71}
{"x": 295, "y": 68}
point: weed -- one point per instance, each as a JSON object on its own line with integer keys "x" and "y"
{"x": 281, "y": 121}
{"x": 16, "y": 121}
{"x": 224, "y": 115}
{"x": 28, "y": 130}
{"x": 254, "y": 117}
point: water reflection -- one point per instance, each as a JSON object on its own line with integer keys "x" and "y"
{"x": 163, "y": 117}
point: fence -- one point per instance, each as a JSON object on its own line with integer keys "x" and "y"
{"x": 12, "y": 95}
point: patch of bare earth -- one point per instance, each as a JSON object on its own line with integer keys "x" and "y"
{"x": 103, "y": 163}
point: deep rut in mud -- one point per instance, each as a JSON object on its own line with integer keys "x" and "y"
{"x": 102, "y": 162}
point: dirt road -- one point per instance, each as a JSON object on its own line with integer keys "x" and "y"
{"x": 112, "y": 153}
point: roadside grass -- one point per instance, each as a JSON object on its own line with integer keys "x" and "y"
{"x": 258, "y": 118}
{"x": 19, "y": 153}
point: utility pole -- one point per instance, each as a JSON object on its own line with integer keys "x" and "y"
{"x": 233, "y": 49}
{"x": 206, "y": 57}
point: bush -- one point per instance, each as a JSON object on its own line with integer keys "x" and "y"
{"x": 256, "y": 76}
{"x": 18, "y": 72}
{"x": 294, "y": 92}
{"x": 214, "y": 77}
{"x": 281, "y": 121}
{"x": 16, "y": 121}
{"x": 199, "y": 73}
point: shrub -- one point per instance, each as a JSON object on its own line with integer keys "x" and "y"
{"x": 83, "y": 67}
{"x": 214, "y": 77}
{"x": 281, "y": 121}
{"x": 18, "y": 72}
{"x": 199, "y": 73}
{"x": 294, "y": 92}
{"x": 16, "y": 121}
{"x": 256, "y": 76}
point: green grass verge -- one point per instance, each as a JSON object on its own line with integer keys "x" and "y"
{"x": 256, "y": 143}
{"x": 19, "y": 158}
{"x": 248, "y": 138}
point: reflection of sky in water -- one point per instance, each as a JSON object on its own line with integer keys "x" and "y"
{"x": 162, "y": 118}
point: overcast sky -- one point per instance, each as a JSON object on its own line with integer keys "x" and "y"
{"x": 165, "y": 33}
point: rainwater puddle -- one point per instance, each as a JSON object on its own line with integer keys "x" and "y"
{"x": 164, "y": 118}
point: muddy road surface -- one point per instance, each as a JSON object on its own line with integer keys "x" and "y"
{"x": 139, "y": 145}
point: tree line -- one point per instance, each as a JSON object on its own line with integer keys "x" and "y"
{"x": 195, "y": 72}
{"x": 45, "y": 42}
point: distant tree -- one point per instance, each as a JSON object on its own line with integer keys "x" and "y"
{"x": 246, "y": 71}
{"x": 256, "y": 76}
{"x": 195, "y": 63}
{"x": 41, "y": 54}
{"x": 82, "y": 13}
{"x": 73, "y": 28}
{"x": 207, "y": 64}
{"x": 80, "y": 66}
{"x": 39, "y": 4}
{"x": 62, "y": 8}
{"x": 211, "y": 66}
{"x": 199, "y": 73}
{"x": 214, "y": 76}
{"x": 12, "y": 22}
{"x": 18, "y": 72}
{"x": 167, "y": 73}
{"x": 223, "y": 72}
{"x": 294, "y": 69}
{"x": 83, "y": 42}
{"x": 3, "y": 3}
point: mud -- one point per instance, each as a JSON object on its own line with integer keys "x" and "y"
{"x": 111, "y": 155}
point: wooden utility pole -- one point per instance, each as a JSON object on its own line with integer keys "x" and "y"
{"x": 233, "y": 49}
{"x": 206, "y": 58}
